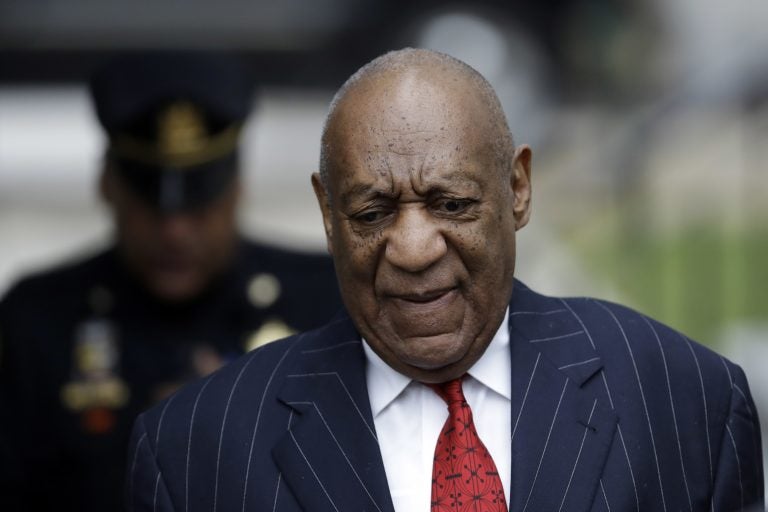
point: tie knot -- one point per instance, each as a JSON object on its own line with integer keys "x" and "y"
{"x": 450, "y": 391}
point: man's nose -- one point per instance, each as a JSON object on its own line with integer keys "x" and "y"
{"x": 415, "y": 241}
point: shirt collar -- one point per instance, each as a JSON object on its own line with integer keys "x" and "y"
{"x": 492, "y": 370}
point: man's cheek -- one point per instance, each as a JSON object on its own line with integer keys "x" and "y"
{"x": 359, "y": 251}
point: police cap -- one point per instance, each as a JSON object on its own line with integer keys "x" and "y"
{"x": 173, "y": 120}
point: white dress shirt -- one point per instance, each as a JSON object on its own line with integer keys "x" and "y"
{"x": 409, "y": 417}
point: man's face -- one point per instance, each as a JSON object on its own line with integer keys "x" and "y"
{"x": 420, "y": 214}
{"x": 175, "y": 256}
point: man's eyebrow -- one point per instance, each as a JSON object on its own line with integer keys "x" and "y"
{"x": 363, "y": 191}
{"x": 446, "y": 184}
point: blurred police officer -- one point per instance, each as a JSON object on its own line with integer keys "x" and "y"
{"x": 87, "y": 346}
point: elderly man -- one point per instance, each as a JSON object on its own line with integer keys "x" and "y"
{"x": 449, "y": 384}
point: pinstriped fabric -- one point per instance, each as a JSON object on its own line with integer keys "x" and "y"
{"x": 317, "y": 477}
{"x": 189, "y": 443}
{"x": 704, "y": 407}
{"x": 738, "y": 463}
{"x": 611, "y": 411}
{"x": 336, "y": 376}
{"x": 221, "y": 433}
{"x": 157, "y": 489}
{"x": 132, "y": 472}
{"x": 579, "y": 363}
{"x": 145, "y": 489}
{"x": 578, "y": 456}
{"x": 219, "y": 436}
{"x": 561, "y": 434}
{"x": 333, "y": 437}
{"x": 277, "y": 491}
{"x": 256, "y": 428}
{"x": 544, "y": 448}
{"x": 343, "y": 452}
{"x": 629, "y": 468}
{"x": 605, "y": 497}
{"x": 279, "y": 475}
{"x": 672, "y": 409}
{"x": 556, "y": 338}
{"x": 160, "y": 421}
{"x": 525, "y": 396}
{"x": 643, "y": 401}
{"x": 675, "y": 403}
{"x": 211, "y": 396}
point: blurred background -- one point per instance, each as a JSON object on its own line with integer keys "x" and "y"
{"x": 648, "y": 121}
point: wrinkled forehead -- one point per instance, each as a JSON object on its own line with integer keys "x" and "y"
{"x": 411, "y": 116}
{"x": 415, "y": 100}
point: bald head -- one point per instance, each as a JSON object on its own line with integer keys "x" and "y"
{"x": 422, "y": 193}
{"x": 441, "y": 85}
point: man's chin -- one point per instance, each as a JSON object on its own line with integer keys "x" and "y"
{"x": 436, "y": 322}
{"x": 431, "y": 358}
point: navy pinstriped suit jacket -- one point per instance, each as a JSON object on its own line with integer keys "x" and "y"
{"x": 611, "y": 411}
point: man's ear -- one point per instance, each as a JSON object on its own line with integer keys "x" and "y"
{"x": 323, "y": 201}
{"x": 521, "y": 185}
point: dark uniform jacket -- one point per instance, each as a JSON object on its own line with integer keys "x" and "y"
{"x": 611, "y": 411}
{"x": 83, "y": 350}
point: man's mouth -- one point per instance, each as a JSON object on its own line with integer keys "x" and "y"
{"x": 428, "y": 298}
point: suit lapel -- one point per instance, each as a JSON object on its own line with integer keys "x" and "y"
{"x": 561, "y": 428}
{"x": 329, "y": 456}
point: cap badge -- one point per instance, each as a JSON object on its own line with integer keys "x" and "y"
{"x": 180, "y": 130}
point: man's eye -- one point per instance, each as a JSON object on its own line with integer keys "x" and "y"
{"x": 453, "y": 205}
{"x": 370, "y": 217}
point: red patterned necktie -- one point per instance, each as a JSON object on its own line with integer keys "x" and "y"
{"x": 464, "y": 476}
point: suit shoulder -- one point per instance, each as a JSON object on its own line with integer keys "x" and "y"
{"x": 651, "y": 345}
{"x": 625, "y": 336}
